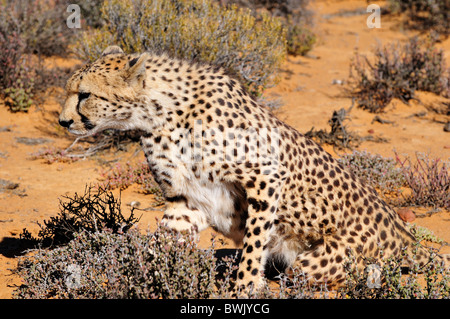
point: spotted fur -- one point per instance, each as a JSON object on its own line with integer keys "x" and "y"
{"x": 222, "y": 160}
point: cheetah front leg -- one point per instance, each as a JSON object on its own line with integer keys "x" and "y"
{"x": 179, "y": 217}
{"x": 262, "y": 196}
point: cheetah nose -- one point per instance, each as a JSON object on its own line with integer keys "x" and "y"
{"x": 65, "y": 123}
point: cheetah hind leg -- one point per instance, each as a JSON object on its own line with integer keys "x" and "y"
{"x": 323, "y": 265}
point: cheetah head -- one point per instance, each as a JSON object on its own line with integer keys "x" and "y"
{"x": 101, "y": 94}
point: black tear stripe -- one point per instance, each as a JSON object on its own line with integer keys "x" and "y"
{"x": 86, "y": 122}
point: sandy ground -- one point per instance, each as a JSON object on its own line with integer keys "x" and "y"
{"x": 309, "y": 95}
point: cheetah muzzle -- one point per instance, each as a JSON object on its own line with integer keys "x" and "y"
{"x": 224, "y": 161}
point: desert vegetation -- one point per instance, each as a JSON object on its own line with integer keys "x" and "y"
{"x": 398, "y": 71}
{"x": 95, "y": 252}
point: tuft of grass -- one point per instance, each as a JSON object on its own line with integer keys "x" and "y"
{"x": 198, "y": 30}
{"x": 397, "y": 72}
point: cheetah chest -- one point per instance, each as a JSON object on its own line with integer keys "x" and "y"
{"x": 222, "y": 204}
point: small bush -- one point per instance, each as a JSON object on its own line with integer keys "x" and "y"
{"x": 41, "y": 25}
{"x": 385, "y": 279}
{"x": 19, "y": 97}
{"x": 425, "y": 14}
{"x": 339, "y": 135}
{"x": 16, "y": 72}
{"x": 11, "y": 55}
{"x": 379, "y": 172}
{"x": 193, "y": 30}
{"x": 397, "y": 72}
{"x": 96, "y": 209}
{"x": 300, "y": 40}
{"x": 428, "y": 179}
{"x": 425, "y": 234}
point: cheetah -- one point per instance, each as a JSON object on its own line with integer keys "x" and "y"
{"x": 223, "y": 160}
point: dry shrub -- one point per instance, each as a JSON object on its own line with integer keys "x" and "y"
{"x": 295, "y": 16}
{"x": 425, "y": 14}
{"x": 428, "y": 178}
{"x": 193, "y": 30}
{"x": 397, "y": 71}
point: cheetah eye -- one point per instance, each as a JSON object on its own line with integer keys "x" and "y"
{"x": 82, "y": 96}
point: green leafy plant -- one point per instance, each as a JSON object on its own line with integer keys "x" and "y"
{"x": 424, "y": 234}
{"x": 19, "y": 97}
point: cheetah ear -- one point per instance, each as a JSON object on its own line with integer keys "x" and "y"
{"x": 113, "y": 49}
{"x": 134, "y": 71}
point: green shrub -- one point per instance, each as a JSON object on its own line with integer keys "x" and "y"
{"x": 397, "y": 72}
{"x": 193, "y": 30}
{"x": 20, "y": 97}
